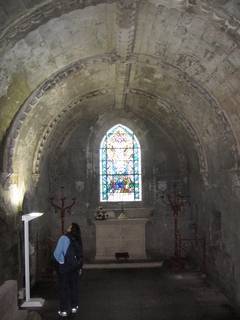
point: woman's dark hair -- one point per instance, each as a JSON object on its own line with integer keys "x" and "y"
{"x": 75, "y": 231}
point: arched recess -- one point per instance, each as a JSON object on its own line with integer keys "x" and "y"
{"x": 161, "y": 107}
{"x": 32, "y": 107}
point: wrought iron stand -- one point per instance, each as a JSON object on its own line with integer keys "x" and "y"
{"x": 62, "y": 208}
{"x": 176, "y": 201}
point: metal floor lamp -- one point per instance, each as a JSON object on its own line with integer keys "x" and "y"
{"x": 34, "y": 302}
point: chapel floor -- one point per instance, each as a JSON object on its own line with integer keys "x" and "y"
{"x": 142, "y": 294}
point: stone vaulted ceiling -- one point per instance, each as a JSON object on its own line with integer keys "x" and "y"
{"x": 174, "y": 63}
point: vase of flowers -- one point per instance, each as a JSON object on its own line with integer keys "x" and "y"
{"x": 101, "y": 214}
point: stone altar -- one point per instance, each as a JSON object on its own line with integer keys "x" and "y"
{"x": 120, "y": 235}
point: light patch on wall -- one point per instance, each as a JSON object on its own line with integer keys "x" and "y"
{"x": 79, "y": 185}
{"x": 16, "y": 194}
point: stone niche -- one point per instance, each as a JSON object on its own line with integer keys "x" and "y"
{"x": 121, "y": 235}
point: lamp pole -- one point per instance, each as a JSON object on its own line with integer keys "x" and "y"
{"x": 26, "y": 256}
{"x": 35, "y": 302}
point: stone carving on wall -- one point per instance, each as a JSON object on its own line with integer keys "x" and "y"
{"x": 126, "y": 19}
{"x": 126, "y": 29}
{"x": 216, "y": 14}
{"x": 185, "y": 61}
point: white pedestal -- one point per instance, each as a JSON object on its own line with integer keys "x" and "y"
{"x": 120, "y": 235}
{"x": 33, "y": 303}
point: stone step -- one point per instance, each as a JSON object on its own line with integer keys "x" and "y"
{"x": 122, "y": 265}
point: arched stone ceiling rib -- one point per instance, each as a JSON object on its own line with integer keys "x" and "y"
{"x": 126, "y": 22}
{"x": 178, "y": 118}
{"x": 60, "y": 117}
{"x": 31, "y": 106}
{"x": 47, "y": 10}
{"x": 224, "y": 15}
{"x": 33, "y": 101}
{"x": 97, "y": 93}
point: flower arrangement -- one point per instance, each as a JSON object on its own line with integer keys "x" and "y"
{"x": 101, "y": 214}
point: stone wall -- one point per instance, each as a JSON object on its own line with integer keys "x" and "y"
{"x": 215, "y": 209}
{"x": 9, "y": 245}
{"x": 74, "y": 164}
{"x": 169, "y": 70}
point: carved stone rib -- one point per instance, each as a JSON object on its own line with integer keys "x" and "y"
{"x": 126, "y": 24}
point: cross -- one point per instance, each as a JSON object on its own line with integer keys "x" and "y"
{"x": 62, "y": 208}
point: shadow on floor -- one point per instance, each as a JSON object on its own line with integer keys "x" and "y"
{"x": 141, "y": 294}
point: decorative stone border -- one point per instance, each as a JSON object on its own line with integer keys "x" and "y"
{"x": 55, "y": 121}
{"x": 125, "y": 39}
{"x": 77, "y": 66}
{"x": 166, "y": 107}
{"x": 40, "y": 15}
{"x": 228, "y": 130}
{"x": 226, "y": 22}
{"x": 126, "y": 22}
{"x": 52, "y": 9}
{"x": 35, "y": 97}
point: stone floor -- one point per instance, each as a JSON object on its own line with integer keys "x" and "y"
{"x": 142, "y": 294}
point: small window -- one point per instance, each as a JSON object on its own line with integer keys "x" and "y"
{"x": 120, "y": 166}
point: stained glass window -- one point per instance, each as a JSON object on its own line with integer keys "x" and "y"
{"x": 120, "y": 166}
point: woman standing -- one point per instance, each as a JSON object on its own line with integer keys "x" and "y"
{"x": 69, "y": 257}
